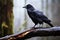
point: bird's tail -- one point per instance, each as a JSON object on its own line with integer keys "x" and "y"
{"x": 50, "y": 24}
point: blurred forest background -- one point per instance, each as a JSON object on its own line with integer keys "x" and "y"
{"x": 14, "y": 18}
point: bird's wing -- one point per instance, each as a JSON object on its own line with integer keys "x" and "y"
{"x": 38, "y": 12}
{"x": 41, "y": 16}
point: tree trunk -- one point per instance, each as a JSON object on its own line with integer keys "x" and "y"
{"x": 6, "y": 17}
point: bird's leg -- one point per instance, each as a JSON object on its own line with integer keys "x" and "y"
{"x": 34, "y": 26}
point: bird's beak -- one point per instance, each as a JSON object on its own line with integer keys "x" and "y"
{"x": 24, "y": 7}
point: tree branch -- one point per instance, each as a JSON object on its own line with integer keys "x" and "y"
{"x": 53, "y": 31}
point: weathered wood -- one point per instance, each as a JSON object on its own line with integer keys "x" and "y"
{"x": 37, "y": 32}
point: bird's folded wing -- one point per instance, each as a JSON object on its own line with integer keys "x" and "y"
{"x": 40, "y": 15}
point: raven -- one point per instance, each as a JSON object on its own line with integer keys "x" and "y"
{"x": 37, "y": 16}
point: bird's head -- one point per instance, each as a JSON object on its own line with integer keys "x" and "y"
{"x": 28, "y": 6}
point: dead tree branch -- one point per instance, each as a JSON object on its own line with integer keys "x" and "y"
{"x": 53, "y": 31}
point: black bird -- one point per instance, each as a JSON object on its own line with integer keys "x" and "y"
{"x": 37, "y": 16}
